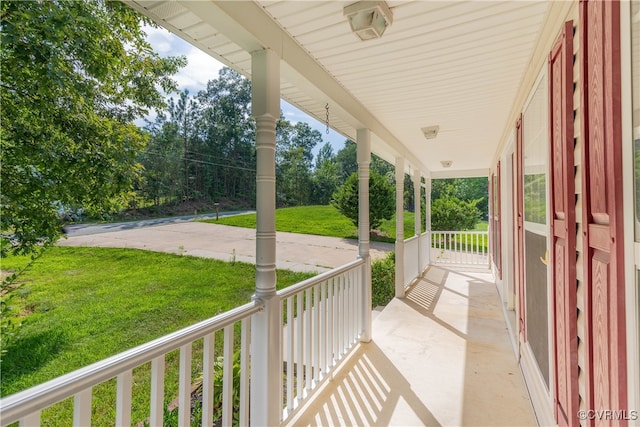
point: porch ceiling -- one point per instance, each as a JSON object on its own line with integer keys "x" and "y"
{"x": 454, "y": 64}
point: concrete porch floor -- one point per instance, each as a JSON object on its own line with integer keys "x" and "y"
{"x": 439, "y": 357}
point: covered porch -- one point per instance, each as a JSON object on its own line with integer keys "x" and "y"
{"x": 438, "y": 354}
{"x": 441, "y": 356}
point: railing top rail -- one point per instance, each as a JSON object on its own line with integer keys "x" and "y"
{"x": 411, "y": 239}
{"x": 459, "y": 232}
{"x": 18, "y": 405}
{"x": 312, "y": 281}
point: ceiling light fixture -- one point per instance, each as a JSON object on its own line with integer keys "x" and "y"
{"x": 430, "y": 132}
{"x": 368, "y": 19}
{"x": 446, "y": 163}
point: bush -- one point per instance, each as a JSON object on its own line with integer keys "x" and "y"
{"x": 381, "y": 201}
{"x": 448, "y": 213}
{"x": 383, "y": 287}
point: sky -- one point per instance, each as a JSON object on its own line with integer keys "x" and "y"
{"x": 201, "y": 68}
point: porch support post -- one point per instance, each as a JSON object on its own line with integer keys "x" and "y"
{"x": 427, "y": 216}
{"x": 399, "y": 227}
{"x": 266, "y": 346}
{"x": 364, "y": 160}
{"x": 417, "y": 185}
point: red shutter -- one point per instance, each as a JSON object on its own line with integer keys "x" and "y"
{"x": 492, "y": 231}
{"x": 520, "y": 226}
{"x": 563, "y": 228}
{"x": 602, "y": 205}
{"x": 497, "y": 223}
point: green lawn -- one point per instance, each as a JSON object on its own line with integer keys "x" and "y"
{"x": 321, "y": 221}
{"x": 482, "y": 226}
{"x": 81, "y": 305}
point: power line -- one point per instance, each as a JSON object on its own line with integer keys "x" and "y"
{"x": 201, "y": 161}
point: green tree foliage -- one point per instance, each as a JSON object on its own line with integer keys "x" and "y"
{"x": 203, "y": 149}
{"x": 383, "y": 273}
{"x": 448, "y": 213}
{"x": 226, "y": 154}
{"x": 294, "y": 160}
{"x": 466, "y": 189}
{"x": 381, "y": 201}
{"x": 326, "y": 177}
{"x": 75, "y": 74}
{"x": 346, "y": 160}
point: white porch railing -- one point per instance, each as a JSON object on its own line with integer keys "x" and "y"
{"x": 26, "y": 406}
{"x": 411, "y": 259}
{"x": 322, "y": 322}
{"x": 325, "y": 313}
{"x": 416, "y": 257}
{"x": 425, "y": 248}
{"x": 460, "y": 247}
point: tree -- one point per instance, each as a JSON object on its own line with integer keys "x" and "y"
{"x": 294, "y": 159}
{"x": 346, "y": 159}
{"x": 464, "y": 189}
{"x": 162, "y": 166}
{"x": 448, "y": 213}
{"x": 227, "y": 138}
{"x": 325, "y": 154}
{"x": 75, "y": 74}
{"x": 381, "y": 201}
{"x": 325, "y": 176}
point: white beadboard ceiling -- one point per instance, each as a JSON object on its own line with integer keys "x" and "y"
{"x": 456, "y": 64}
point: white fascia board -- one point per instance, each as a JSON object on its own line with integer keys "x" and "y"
{"x": 468, "y": 173}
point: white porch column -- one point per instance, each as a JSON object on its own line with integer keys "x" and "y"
{"x": 417, "y": 185}
{"x": 364, "y": 160}
{"x": 399, "y": 227}
{"x": 427, "y": 214}
{"x": 266, "y": 326}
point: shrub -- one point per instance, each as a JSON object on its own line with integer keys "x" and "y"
{"x": 171, "y": 415}
{"x": 448, "y": 213}
{"x": 381, "y": 201}
{"x": 383, "y": 275}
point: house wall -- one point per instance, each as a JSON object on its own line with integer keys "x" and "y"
{"x": 560, "y": 12}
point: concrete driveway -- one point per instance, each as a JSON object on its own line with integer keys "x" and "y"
{"x": 297, "y": 252}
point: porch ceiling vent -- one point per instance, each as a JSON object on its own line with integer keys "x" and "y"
{"x": 368, "y": 19}
{"x": 430, "y": 132}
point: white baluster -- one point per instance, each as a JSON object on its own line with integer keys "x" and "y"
{"x": 227, "y": 377}
{"x": 157, "y": 391}
{"x": 31, "y": 420}
{"x": 245, "y": 340}
{"x": 299, "y": 352}
{"x": 291, "y": 325}
{"x": 208, "y": 362}
{"x": 82, "y": 408}
{"x": 123, "y": 399}
{"x": 184, "y": 385}
{"x": 307, "y": 342}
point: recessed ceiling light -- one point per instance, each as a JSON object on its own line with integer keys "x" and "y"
{"x": 430, "y": 132}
